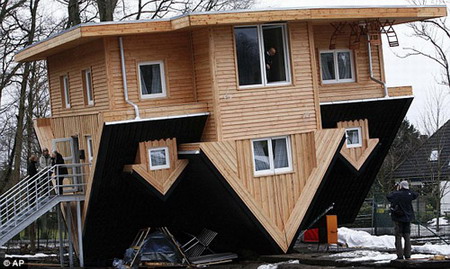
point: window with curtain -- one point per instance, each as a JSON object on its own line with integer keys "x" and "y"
{"x": 271, "y": 156}
{"x": 159, "y": 158}
{"x": 337, "y": 66}
{"x": 353, "y": 137}
{"x": 152, "y": 79}
{"x": 262, "y": 54}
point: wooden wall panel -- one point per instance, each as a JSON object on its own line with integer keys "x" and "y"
{"x": 174, "y": 49}
{"x": 204, "y": 79}
{"x": 280, "y": 192}
{"x": 358, "y": 155}
{"x": 264, "y": 111}
{"x": 65, "y": 127}
{"x": 364, "y": 87}
{"x": 275, "y": 200}
{"x": 400, "y": 91}
{"x": 72, "y": 62}
{"x": 161, "y": 179}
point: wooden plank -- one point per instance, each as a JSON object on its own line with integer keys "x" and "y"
{"x": 400, "y": 91}
{"x": 75, "y": 36}
{"x": 290, "y": 106}
{"x": 315, "y": 74}
{"x": 363, "y": 87}
{"x": 326, "y": 147}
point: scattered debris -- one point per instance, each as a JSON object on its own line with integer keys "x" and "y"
{"x": 157, "y": 247}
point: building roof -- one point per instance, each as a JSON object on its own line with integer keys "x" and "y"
{"x": 419, "y": 165}
{"x": 87, "y": 32}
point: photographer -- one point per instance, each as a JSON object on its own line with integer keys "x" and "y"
{"x": 402, "y": 214}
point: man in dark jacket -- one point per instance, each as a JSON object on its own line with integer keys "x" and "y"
{"x": 402, "y": 214}
{"x": 32, "y": 171}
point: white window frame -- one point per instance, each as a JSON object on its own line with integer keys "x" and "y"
{"x": 163, "y": 80}
{"x": 336, "y": 67}
{"x": 66, "y": 90}
{"x": 90, "y": 148}
{"x": 272, "y": 170}
{"x": 434, "y": 155}
{"x": 89, "y": 86}
{"x": 262, "y": 57}
{"x": 359, "y": 137}
{"x": 157, "y": 167}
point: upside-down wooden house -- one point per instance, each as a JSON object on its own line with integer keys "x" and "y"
{"x": 249, "y": 123}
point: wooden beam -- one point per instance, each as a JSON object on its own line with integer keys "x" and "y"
{"x": 82, "y": 33}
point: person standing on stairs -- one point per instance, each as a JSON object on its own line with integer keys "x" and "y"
{"x": 61, "y": 170}
{"x": 32, "y": 171}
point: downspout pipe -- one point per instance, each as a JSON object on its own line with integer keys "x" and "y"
{"x": 369, "y": 51}
{"x": 124, "y": 79}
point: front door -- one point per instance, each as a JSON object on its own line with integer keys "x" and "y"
{"x": 67, "y": 147}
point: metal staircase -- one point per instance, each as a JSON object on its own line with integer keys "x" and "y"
{"x": 33, "y": 196}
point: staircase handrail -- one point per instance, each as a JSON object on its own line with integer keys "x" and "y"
{"x": 35, "y": 192}
{"x": 25, "y": 181}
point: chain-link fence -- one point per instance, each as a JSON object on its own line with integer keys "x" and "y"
{"x": 374, "y": 217}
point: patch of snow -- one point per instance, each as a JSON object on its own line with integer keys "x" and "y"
{"x": 374, "y": 256}
{"x": 37, "y": 255}
{"x": 275, "y": 265}
{"x": 433, "y": 249}
{"x": 363, "y": 239}
{"x": 442, "y": 221}
{"x": 353, "y": 238}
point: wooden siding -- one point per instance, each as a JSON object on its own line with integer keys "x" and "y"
{"x": 400, "y": 91}
{"x": 174, "y": 49}
{"x": 273, "y": 199}
{"x": 84, "y": 32}
{"x": 48, "y": 129}
{"x": 72, "y": 62}
{"x": 204, "y": 81}
{"x": 156, "y": 112}
{"x": 44, "y": 132}
{"x": 264, "y": 111}
{"x": 161, "y": 179}
{"x": 358, "y": 155}
{"x": 363, "y": 87}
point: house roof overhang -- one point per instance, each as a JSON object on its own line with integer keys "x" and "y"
{"x": 88, "y": 32}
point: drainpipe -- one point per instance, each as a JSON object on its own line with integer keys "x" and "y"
{"x": 369, "y": 48}
{"x": 124, "y": 79}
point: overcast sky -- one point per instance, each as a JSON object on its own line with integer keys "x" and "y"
{"x": 419, "y": 72}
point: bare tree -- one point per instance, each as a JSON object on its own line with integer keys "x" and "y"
{"x": 431, "y": 162}
{"x": 12, "y": 174}
{"x": 106, "y": 9}
{"x": 9, "y": 42}
{"x": 435, "y": 35}
{"x": 155, "y": 9}
{"x": 435, "y": 112}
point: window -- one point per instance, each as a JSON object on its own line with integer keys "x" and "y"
{"x": 434, "y": 156}
{"x": 262, "y": 55}
{"x": 353, "y": 137}
{"x": 159, "y": 158}
{"x": 152, "y": 79}
{"x": 271, "y": 156}
{"x": 90, "y": 148}
{"x": 64, "y": 81}
{"x": 336, "y": 66}
{"x": 87, "y": 81}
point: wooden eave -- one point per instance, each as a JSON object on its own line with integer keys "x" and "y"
{"x": 88, "y": 32}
